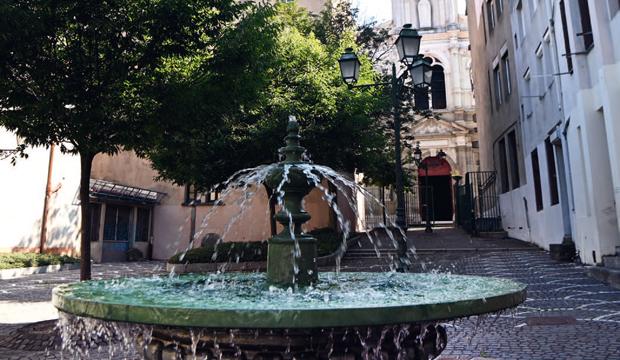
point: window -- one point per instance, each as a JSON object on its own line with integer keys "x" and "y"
{"x": 614, "y": 6}
{"x": 503, "y": 166}
{"x": 551, "y": 170}
{"x": 514, "y": 159}
{"x": 536, "y": 174}
{"x": 521, "y": 20}
{"x": 527, "y": 99}
{"x": 143, "y": 222}
{"x": 201, "y": 197}
{"x": 490, "y": 90}
{"x": 547, "y": 78}
{"x": 490, "y": 16}
{"x": 438, "y": 88}
{"x": 117, "y": 221}
{"x": 567, "y": 55}
{"x": 506, "y": 72}
{"x": 420, "y": 96}
{"x": 95, "y": 219}
{"x": 499, "y": 5}
{"x": 586, "y": 25}
{"x": 497, "y": 79}
{"x": 540, "y": 79}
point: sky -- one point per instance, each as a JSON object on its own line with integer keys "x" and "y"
{"x": 381, "y": 10}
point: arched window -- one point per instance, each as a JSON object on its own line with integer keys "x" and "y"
{"x": 438, "y": 89}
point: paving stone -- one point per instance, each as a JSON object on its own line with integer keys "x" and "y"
{"x": 554, "y": 290}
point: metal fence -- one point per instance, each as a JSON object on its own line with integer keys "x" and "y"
{"x": 478, "y": 203}
{"x": 383, "y": 209}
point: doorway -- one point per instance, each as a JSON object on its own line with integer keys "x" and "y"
{"x": 435, "y": 182}
{"x": 116, "y": 233}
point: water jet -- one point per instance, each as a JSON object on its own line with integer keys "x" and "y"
{"x": 292, "y": 311}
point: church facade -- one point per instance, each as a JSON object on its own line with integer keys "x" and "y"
{"x": 452, "y": 128}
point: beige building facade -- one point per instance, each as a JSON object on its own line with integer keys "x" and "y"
{"x": 453, "y": 128}
{"x": 129, "y": 207}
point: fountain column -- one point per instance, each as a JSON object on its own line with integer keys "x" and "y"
{"x": 291, "y": 258}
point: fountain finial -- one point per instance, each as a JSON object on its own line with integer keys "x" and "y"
{"x": 293, "y": 150}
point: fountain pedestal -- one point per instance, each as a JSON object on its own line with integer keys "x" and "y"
{"x": 291, "y": 258}
{"x": 345, "y": 316}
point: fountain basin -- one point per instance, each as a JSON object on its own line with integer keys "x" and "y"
{"x": 343, "y": 316}
{"x": 245, "y": 300}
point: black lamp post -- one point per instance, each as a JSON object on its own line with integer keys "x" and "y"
{"x": 417, "y": 157}
{"x": 408, "y": 46}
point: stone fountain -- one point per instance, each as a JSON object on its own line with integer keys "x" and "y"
{"x": 292, "y": 312}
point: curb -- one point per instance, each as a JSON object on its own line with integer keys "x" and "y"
{"x": 20, "y": 272}
{"x": 214, "y": 267}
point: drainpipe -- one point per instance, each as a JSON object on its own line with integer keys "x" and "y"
{"x": 48, "y": 194}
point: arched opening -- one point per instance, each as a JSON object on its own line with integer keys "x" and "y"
{"x": 435, "y": 189}
{"x": 437, "y": 91}
{"x": 438, "y": 88}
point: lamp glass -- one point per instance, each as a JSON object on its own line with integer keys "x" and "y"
{"x": 349, "y": 67}
{"x": 408, "y": 44}
{"x": 421, "y": 73}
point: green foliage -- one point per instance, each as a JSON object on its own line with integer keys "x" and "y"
{"x": 234, "y": 115}
{"x": 87, "y": 75}
{"x": 228, "y": 251}
{"x": 328, "y": 241}
{"x": 72, "y": 72}
{"x": 21, "y": 260}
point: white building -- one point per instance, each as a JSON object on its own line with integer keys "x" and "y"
{"x": 566, "y": 59}
{"x": 445, "y": 42}
{"x": 588, "y": 44}
{"x": 545, "y": 217}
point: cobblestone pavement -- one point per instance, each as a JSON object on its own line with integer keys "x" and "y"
{"x": 24, "y": 303}
{"x": 567, "y": 315}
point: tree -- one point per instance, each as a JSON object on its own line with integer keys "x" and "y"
{"x": 83, "y": 74}
{"x": 293, "y": 73}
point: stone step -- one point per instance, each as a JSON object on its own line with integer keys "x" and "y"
{"x": 493, "y": 234}
{"x": 606, "y": 275}
{"x": 611, "y": 262}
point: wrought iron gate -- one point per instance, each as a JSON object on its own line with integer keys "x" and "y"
{"x": 382, "y": 211}
{"x": 478, "y": 203}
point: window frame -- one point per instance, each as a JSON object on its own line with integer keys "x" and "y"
{"x": 193, "y": 197}
{"x": 552, "y": 173}
{"x": 585, "y": 21}
{"x": 565, "y": 34}
{"x": 497, "y": 83}
{"x": 505, "y": 61}
{"x": 503, "y": 166}
{"x": 537, "y": 184}
{"x": 513, "y": 154}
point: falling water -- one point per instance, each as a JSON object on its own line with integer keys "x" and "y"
{"x": 241, "y": 189}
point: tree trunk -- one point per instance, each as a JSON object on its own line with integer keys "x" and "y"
{"x": 86, "y": 162}
{"x": 46, "y": 200}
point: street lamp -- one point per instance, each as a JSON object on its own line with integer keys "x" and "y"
{"x": 408, "y": 46}
{"x": 349, "y": 66}
{"x": 417, "y": 157}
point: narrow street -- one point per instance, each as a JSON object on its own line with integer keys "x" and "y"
{"x": 567, "y": 314}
